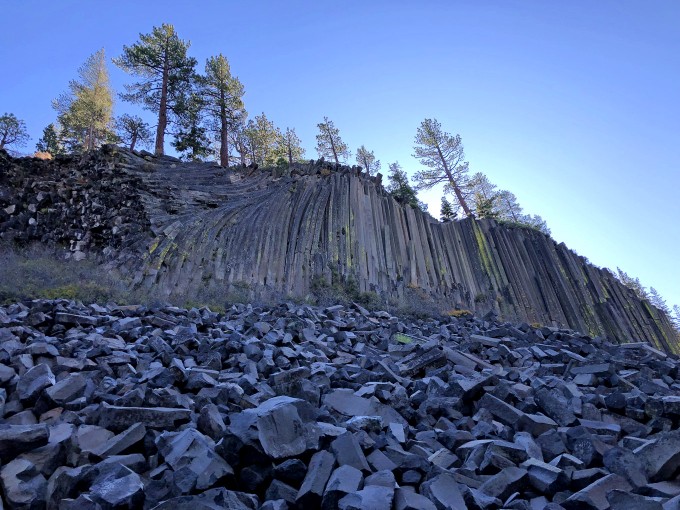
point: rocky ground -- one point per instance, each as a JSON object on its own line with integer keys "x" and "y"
{"x": 302, "y": 407}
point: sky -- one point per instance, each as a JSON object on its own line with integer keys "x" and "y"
{"x": 573, "y": 106}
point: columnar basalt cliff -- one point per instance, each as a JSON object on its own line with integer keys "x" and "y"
{"x": 181, "y": 226}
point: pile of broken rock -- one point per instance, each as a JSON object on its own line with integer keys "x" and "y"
{"x": 302, "y": 407}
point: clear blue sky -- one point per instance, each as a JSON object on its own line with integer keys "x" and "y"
{"x": 574, "y": 106}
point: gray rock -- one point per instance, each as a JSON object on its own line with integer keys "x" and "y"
{"x": 623, "y": 462}
{"x": 22, "y": 485}
{"x": 502, "y": 411}
{"x": 118, "y": 487}
{"x": 384, "y": 478}
{"x": 348, "y": 452}
{"x": 346, "y": 402}
{"x": 555, "y": 406}
{"x": 75, "y": 319}
{"x": 33, "y": 382}
{"x": 6, "y": 374}
{"x": 408, "y": 500}
{"x": 276, "y": 504}
{"x": 444, "y": 492}
{"x": 210, "y": 422}
{"x": 16, "y": 439}
{"x": 291, "y": 471}
{"x": 661, "y": 457}
{"x": 82, "y": 502}
{"x": 318, "y": 473}
{"x": 343, "y": 480}
{"x": 121, "y": 442}
{"x": 546, "y": 478}
{"x": 375, "y": 497}
{"x": 62, "y": 484}
{"x": 535, "y": 424}
{"x": 621, "y": 500}
{"x": 213, "y": 499}
{"x": 280, "y": 491}
{"x": 280, "y": 429}
{"x": 68, "y": 389}
{"x": 508, "y": 481}
{"x": 594, "y": 496}
{"x": 119, "y": 418}
{"x": 194, "y": 455}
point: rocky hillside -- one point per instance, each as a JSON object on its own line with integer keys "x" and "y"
{"x": 178, "y": 228}
{"x": 296, "y": 407}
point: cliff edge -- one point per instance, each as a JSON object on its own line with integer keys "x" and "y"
{"x": 174, "y": 227}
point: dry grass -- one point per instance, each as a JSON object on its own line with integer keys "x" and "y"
{"x": 36, "y": 272}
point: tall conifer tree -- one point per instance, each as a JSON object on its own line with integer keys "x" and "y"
{"x": 222, "y": 96}
{"x": 289, "y": 146}
{"x": 160, "y": 59}
{"x": 328, "y": 142}
{"x": 50, "y": 141}
{"x": 366, "y": 159}
{"x": 443, "y": 155}
{"x": 12, "y": 131}
{"x": 85, "y": 112}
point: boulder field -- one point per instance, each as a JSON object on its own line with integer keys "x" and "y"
{"x": 300, "y": 407}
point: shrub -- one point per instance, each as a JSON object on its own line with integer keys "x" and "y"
{"x": 39, "y": 273}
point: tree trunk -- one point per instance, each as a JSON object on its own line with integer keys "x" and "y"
{"x": 456, "y": 189}
{"x": 90, "y": 134}
{"x": 224, "y": 140}
{"x": 163, "y": 109}
{"x": 462, "y": 201}
{"x": 133, "y": 141}
{"x": 335, "y": 154}
{"x": 290, "y": 153}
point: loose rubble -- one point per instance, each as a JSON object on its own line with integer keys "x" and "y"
{"x": 108, "y": 407}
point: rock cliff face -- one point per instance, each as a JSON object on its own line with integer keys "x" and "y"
{"x": 176, "y": 227}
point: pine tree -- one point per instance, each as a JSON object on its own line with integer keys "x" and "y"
{"x": 632, "y": 283}
{"x": 446, "y": 212}
{"x": 366, "y": 159}
{"x": 222, "y": 96}
{"x": 656, "y": 299}
{"x": 133, "y": 131}
{"x": 535, "y": 222}
{"x": 239, "y": 140}
{"x": 289, "y": 147}
{"x": 508, "y": 207}
{"x": 400, "y": 188}
{"x": 85, "y": 112}
{"x": 262, "y": 138}
{"x": 485, "y": 207}
{"x": 191, "y": 134}
{"x": 443, "y": 154}
{"x": 480, "y": 184}
{"x": 12, "y": 131}
{"x": 160, "y": 59}
{"x": 50, "y": 141}
{"x": 328, "y": 142}
{"x": 676, "y": 318}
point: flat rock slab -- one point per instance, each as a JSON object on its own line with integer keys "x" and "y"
{"x": 16, "y": 439}
{"x": 118, "y": 418}
{"x": 594, "y": 496}
{"x": 213, "y": 499}
{"x": 374, "y": 497}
